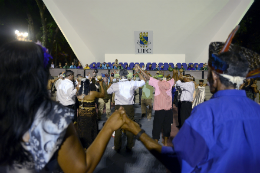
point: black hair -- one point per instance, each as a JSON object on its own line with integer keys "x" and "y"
{"x": 25, "y": 81}
{"x": 60, "y": 74}
{"x": 86, "y": 85}
{"x": 68, "y": 73}
{"x": 78, "y": 75}
{"x": 123, "y": 72}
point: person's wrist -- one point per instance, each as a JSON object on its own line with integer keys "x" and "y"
{"x": 134, "y": 128}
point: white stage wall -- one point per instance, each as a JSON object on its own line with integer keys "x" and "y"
{"x": 174, "y": 58}
{"x": 95, "y": 28}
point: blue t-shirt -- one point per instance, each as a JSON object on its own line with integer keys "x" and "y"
{"x": 221, "y": 135}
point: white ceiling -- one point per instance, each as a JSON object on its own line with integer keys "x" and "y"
{"x": 94, "y": 28}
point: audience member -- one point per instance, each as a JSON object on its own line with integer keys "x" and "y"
{"x": 94, "y": 66}
{"x": 170, "y": 67}
{"x": 52, "y": 65}
{"x": 182, "y": 68}
{"x": 149, "y": 67}
{"x": 176, "y": 68}
{"x": 80, "y": 66}
{"x": 104, "y": 65}
{"x": 191, "y": 67}
{"x": 197, "y": 67}
{"x": 86, "y": 67}
{"x": 100, "y": 66}
{"x": 162, "y": 67}
{"x": 114, "y": 66}
{"x": 60, "y": 65}
{"x": 126, "y": 67}
{"x": 107, "y": 67}
{"x": 66, "y": 66}
{"x": 120, "y": 67}
{"x": 72, "y": 65}
{"x": 204, "y": 68}
{"x": 156, "y": 68}
{"x": 143, "y": 67}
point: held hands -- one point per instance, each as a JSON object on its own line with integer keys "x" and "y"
{"x": 119, "y": 119}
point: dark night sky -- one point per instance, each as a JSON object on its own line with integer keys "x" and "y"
{"x": 17, "y": 20}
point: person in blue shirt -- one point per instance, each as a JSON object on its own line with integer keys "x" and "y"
{"x": 72, "y": 65}
{"x": 222, "y": 134}
{"x": 191, "y": 67}
{"x": 94, "y": 66}
{"x": 156, "y": 68}
{"x": 162, "y": 67}
{"x": 100, "y": 66}
{"x": 114, "y": 66}
{"x": 197, "y": 67}
{"x": 104, "y": 65}
{"x": 107, "y": 67}
{"x": 126, "y": 67}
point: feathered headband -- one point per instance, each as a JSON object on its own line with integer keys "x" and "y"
{"x": 220, "y": 66}
{"x": 46, "y": 55}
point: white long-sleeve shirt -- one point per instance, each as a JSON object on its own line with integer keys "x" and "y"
{"x": 187, "y": 90}
{"x": 66, "y": 92}
{"x": 124, "y": 91}
{"x": 57, "y": 83}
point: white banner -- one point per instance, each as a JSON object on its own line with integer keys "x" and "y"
{"x": 143, "y": 42}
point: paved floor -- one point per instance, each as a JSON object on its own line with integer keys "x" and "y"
{"x": 140, "y": 160}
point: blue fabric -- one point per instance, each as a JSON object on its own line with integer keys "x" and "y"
{"x": 100, "y": 68}
{"x": 173, "y": 93}
{"x": 221, "y": 135}
{"x": 72, "y": 66}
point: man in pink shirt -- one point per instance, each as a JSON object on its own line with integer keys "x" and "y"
{"x": 162, "y": 105}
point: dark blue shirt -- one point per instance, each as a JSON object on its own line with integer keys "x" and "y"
{"x": 221, "y": 135}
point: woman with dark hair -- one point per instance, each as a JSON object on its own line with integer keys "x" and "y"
{"x": 87, "y": 118}
{"x": 35, "y": 130}
{"x": 79, "y": 66}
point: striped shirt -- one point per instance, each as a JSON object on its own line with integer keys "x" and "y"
{"x": 162, "y": 96}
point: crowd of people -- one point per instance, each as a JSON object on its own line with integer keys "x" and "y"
{"x": 219, "y": 135}
{"x": 120, "y": 66}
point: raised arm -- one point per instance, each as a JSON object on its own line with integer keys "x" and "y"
{"x": 100, "y": 94}
{"x": 142, "y": 73}
{"x": 71, "y": 155}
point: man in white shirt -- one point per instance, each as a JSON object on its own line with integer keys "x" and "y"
{"x": 57, "y": 83}
{"x": 66, "y": 91}
{"x": 124, "y": 96}
{"x": 187, "y": 90}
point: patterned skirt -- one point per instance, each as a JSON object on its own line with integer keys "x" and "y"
{"x": 87, "y": 125}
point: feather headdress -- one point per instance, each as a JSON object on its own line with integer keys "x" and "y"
{"x": 222, "y": 67}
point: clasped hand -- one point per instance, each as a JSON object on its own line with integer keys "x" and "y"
{"x": 119, "y": 119}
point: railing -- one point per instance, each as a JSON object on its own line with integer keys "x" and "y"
{"x": 198, "y": 74}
